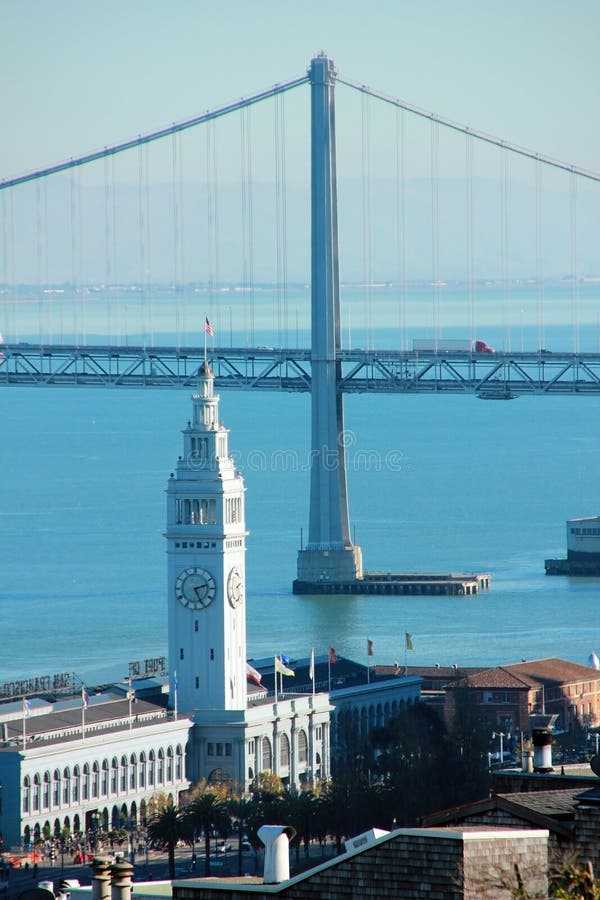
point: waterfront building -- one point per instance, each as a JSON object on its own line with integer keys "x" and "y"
{"x": 583, "y": 549}
{"x": 79, "y": 765}
{"x": 507, "y": 696}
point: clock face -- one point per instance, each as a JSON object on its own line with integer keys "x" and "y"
{"x": 235, "y": 587}
{"x": 195, "y": 588}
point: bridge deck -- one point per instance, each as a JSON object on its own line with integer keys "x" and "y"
{"x": 490, "y": 376}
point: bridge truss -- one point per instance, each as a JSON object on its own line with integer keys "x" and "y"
{"x": 491, "y": 376}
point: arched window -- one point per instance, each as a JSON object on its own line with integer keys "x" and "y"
{"x": 85, "y": 783}
{"x": 160, "y": 775}
{"x": 26, "y": 794}
{"x": 284, "y": 751}
{"x": 66, "y": 786}
{"x": 142, "y": 771}
{"x": 132, "y": 771}
{"x": 114, "y": 775}
{"x": 169, "y": 764}
{"x": 56, "y": 788}
{"x": 151, "y": 769}
{"x": 267, "y": 755}
{"x": 178, "y": 763}
{"x": 123, "y": 779}
{"x": 75, "y": 785}
{"x": 46, "y": 791}
{"x": 302, "y": 747}
{"x": 104, "y": 780}
{"x": 95, "y": 780}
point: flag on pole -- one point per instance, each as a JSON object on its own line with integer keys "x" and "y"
{"x": 332, "y": 656}
{"x": 285, "y": 659}
{"x": 208, "y": 327}
{"x": 85, "y": 700}
{"x": 26, "y": 708}
{"x": 369, "y": 647}
{"x": 252, "y": 674}
{"x": 311, "y": 668}
{"x": 409, "y": 641}
{"x": 281, "y": 668}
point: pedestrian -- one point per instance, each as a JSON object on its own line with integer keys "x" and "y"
{"x": 35, "y": 870}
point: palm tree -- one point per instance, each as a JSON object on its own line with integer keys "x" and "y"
{"x": 205, "y": 812}
{"x": 242, "y": 809}
{"x": 299, "y": 810}
{"x": 167, "y": 825}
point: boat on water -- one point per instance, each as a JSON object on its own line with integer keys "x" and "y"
{"x": 503, "y": 393}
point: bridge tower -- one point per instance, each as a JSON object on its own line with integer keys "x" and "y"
{"x": 329, "y": 554}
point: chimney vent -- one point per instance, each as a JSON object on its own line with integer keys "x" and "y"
{"x": 276, "y": 839}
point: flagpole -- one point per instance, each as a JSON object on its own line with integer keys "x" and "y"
{"x": 312, "y": 657}
{"x": 329, "y": 671}
{"x": 175, "y": 692}
{"x": 82, "y": 718}
{"x": 129, "y": 698}
{"x": 368, "y": 666}
{"x": 24, "y": 720}
{"x": 275, "y": 666}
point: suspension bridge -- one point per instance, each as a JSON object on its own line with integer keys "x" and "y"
{"x": 83, "y": 303}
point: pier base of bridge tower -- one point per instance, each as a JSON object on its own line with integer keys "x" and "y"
{"x": 330, "y": 565}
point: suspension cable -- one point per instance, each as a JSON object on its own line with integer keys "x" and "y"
{"x": 470, "y": 234}
{"x": 464, "y": 129}
{"x": 504, "y": 251}
{"x": 574, "y": 266}
{"x": 401, "y": 224}
{"x": 107, "y": 250}
{"x": 435, "y": 249}
{"x": 154, "y": 135}
{"x": 366, "y": 219}
{"x": 539, "y": 254}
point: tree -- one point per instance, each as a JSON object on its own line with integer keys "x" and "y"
{"x": 243, "y": 809}
{"x": 299, "y": 809}
{"x": 167, "y": 825}
{"x": 207, "y": 810}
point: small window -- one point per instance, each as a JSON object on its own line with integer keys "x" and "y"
{"x": 181, "y": 653}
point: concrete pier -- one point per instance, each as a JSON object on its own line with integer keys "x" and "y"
{"x": 397, "y": 583}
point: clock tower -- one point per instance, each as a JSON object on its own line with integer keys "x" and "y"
{"x": 206, "y": 539}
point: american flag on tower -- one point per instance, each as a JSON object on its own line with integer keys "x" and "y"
{"x": 208, "y": 327}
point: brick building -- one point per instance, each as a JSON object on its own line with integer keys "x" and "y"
{"x": 508, "y": 695}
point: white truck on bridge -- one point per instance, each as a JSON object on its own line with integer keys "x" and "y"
{"x": 438, "y": 345}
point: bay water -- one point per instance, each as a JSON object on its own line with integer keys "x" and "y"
{"x": 436, "y": 483}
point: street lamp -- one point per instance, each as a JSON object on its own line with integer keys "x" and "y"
{"x": 501, "y": 736}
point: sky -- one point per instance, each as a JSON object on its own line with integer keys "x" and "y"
{"x": 77, "y": 75}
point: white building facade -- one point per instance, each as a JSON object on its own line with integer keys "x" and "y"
{"x": 70, "y": 780}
